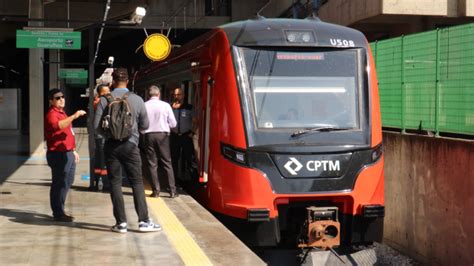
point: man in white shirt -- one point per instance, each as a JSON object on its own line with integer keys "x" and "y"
{"x": 157, "y": 140}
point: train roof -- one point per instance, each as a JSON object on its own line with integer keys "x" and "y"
{"x": 274, "y": 32}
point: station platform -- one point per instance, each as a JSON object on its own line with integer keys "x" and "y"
{"x": 29, "y": 236}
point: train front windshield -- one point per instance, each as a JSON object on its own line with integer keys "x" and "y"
{"x": 295, "y": 89}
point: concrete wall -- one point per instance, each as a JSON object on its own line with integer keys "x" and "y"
{"x": 419, "y": 7}
{"x": 429, "y": 192}
{"x": 466, "y": 7}
{"x": 348, "y": 12}
{"x": 246, "y": 9}
{"x": 345, "y": 12}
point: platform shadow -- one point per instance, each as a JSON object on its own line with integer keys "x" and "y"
{"x": 73, "y": 187}
{"x": 13, "y": 153}
{"x": 47, "y": 183}
{"x": 34, "y": 218}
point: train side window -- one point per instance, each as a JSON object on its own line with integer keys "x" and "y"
{"x": 191, "y": 92}
{"x": 188, "y": 89}
{"x": 164, "y": 96}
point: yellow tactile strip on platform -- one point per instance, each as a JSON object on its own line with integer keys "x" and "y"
{"x": 187, "y": 248}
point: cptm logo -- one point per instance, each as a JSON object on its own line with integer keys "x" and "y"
{"x": 297, "y": 166}
{"x": 293, "y": 166}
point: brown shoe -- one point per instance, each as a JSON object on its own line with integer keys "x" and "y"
{"x": 174, "y": 194}
{"x": 64, "y": 218}
{"x": 154, "y": 194}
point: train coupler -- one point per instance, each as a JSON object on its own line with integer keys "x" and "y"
{"x": 321, "y": 229}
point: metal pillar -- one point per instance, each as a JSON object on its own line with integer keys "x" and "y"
{"x": 90, "y": 122}
{"x": 36, "y": 88}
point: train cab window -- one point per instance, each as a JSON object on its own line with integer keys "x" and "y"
{"x": 302, "y": 89}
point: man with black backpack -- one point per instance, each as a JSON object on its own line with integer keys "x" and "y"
{"x": 119, "y": 117}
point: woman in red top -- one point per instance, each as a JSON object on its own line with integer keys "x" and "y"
{"x": 61, "y": 154}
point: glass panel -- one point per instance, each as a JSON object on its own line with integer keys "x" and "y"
{"x": 303, "y": 89}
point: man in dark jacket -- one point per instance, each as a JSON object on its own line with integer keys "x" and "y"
{"x": 182, "y": 149}
{"x": 124, "y": 154}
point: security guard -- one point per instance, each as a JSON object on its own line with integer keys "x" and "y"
{"x": 181, "y": 135}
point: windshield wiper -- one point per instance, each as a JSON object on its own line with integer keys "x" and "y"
{"x": 318, "y": 129}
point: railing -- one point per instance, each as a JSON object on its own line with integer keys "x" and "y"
{"x": 426, "y": 80}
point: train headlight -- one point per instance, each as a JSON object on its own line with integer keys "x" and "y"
{"x": 291, "y": 37}
{"x": 377, "y": 152}
{"x": 306, "y": 37}
{"x": 234, "y": 154}
{"x": 300, "y": 36}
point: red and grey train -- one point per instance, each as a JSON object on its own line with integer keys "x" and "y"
{"x": 288, "y": 141}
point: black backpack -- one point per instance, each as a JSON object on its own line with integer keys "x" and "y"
{"x": 117, "y": 120}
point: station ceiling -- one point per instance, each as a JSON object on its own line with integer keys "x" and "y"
{"x": 83, "y": 14}
{"x": 181, "y": 20}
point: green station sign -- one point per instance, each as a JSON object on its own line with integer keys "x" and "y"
{"x": 74, "y": 76}
{"x": 73, "y": 73}
{"x": 48, "y": 39}
{"x": 76, "y": 82}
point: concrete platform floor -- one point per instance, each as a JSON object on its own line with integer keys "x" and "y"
{"x": 191, "y": 235}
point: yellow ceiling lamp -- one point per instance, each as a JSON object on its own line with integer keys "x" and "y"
{"x": 157, "y": 47}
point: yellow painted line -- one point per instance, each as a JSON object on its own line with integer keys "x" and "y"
{"x": 187, "y": 248}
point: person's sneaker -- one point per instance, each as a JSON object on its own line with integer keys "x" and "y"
{"x": 148, "y": 226}
{"x": 120, "y": 228}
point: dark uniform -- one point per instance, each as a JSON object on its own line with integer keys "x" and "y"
{"x": 181, "y": 141}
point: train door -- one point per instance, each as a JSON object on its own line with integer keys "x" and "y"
{"x": 207, "y": 85}
{"x": 188, "y": 170}
{"x": 197, "y": 103}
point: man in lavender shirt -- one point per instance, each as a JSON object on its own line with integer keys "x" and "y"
{"x": 157, "y": 140}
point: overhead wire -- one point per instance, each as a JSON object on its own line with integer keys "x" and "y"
{"x": 177, "y": 11}
{"x": 106, "y": 13}
{"x": 197, "y": 20}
